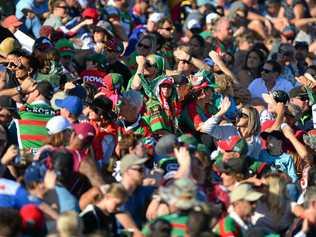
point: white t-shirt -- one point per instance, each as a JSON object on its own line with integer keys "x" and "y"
{"x": 257, "y": 87}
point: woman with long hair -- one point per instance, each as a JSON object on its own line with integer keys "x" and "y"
{"x": 247, "y": 126}
{"x": 273, "y": 212}
{"x": 251, "y": 70}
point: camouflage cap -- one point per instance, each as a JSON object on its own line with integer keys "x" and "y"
{"x": 182, "y": 193}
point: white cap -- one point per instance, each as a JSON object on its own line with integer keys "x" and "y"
{"x": 194, "y": 23}
{"x": 155, "y": 17}
{"x": 57, "y": 124}
{"x": 212, "y": 18}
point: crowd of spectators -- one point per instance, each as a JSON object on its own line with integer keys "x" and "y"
{"x": 158, "y": 118}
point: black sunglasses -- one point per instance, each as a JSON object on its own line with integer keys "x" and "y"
{"x": 267, "y": 70}
{"x": 149, "y": 65}
{"x": 140, "y": 169}
{"x": 143, "y": 46}
{"x": 64, "y": 7}
{"x": 167, "y": 28}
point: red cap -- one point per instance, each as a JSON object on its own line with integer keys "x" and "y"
{"x": 91, "y": 13}
{"x": 228, "y": 144}
{"x": 32, "y": 215}
{"x": 168, "y": 81}
{"x": 11, "y": 21}
{"x": 84, "y": 130}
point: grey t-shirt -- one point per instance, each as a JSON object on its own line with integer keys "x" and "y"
{"x": 53, "y": 21}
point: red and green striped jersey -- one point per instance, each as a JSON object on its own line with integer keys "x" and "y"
{"x": 227, "y": 227}
{"x": 31, "y": 127}
{"x": 192, "y": 115}
{"x": 178, "y": 223}
{"x": 139, "y": 127}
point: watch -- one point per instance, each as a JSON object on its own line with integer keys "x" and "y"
{"x": 19, "y": 89}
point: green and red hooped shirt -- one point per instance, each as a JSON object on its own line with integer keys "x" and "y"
{"x": 31, "y": 128}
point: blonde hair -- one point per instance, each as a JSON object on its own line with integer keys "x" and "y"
{"x": 224, "y": 83}
{"x": 69, "y": 224}
{"x": 275, "y": 198}
{"x": 116, "y": 190}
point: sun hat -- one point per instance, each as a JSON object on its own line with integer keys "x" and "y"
{"x": 244, "y": 192}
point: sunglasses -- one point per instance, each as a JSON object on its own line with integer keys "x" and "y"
{"x": 184, "y": 61}
{"x": 167, "y": 28}
{"x": 267, "y": 70}
{"x": 140, "y": 45}
{"x": 63, "y": 7}
{"x": 139, "y": 169}
{"x": 149, "y": 65}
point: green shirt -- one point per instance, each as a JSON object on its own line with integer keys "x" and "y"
{"x": 178, "y": 223}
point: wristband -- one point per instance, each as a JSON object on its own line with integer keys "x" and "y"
{"x": 19, "y": 89}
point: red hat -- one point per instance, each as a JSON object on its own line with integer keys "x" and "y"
{"x": 233, "y": 143}
{"x": 11, "y": 21}
{"x": 84, "y": 130}
{"x": 32, "y": 216}
{"x": 91, "y": 13}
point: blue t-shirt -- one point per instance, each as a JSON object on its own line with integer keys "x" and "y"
{"x": 137, "y": 204}
{"x": 13, "y": 195}
{"x": 283, "y": 163}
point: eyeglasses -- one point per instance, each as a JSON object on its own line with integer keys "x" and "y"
{"x": 267, "y": 70}
{"x": 140, "y": 45}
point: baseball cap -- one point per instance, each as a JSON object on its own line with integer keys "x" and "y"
{"x": 91, "y": 13}
{"x": 57, "y": 124}
{"x": 43, "y": 43}
{"x": 84, "y": 130}
{"x": 32, "y": 217}
{"x": 212, "y": 17}
{"x": 299, "y": 92}
{"x": 165, "y": 145}
{"x": 201, "y": 80}
{"x": 233, "y": 165}
{"x": 310, "y": 139}
{"x": 156, "y": 17}
{"x": 34, "y": 173}
{"x": 11, "y": 21}
{"x": 189, "y": 140}
{"x": 7, "y": 46}
{"x": 277, "y": 96}
{"x": 233, "y": 143}
{"x": 194, "y": 24}
{"x": 65, "y": 47}
{"x": 71, "y": 103}
{"x": 46, "y": 89}
{"x": 129, "y": 160}
{"x": 275, "y": 133}
{"x": 8, "y": 103}
{"x": 182, "y": 193}
{"x": 244, "y": 192}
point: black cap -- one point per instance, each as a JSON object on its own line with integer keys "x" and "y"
{"x": 103, "y": 105}
{"x": 275, "y": 133}
{"x": 46, "y": 89}
{"x": 299, "y": 92}
{"x": 8, "y": 103}
{"x": 234, "y": 165}
{"x": 280, "y": 96}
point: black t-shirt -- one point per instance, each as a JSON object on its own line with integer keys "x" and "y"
{"x": 5, "y": 33}
{"x": 94, "y": 219}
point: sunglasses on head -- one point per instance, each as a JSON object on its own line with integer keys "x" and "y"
{"x": 140, "y": 45}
